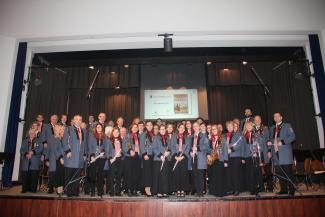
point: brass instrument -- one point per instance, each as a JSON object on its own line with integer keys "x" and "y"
{"x": 214, "y": 156}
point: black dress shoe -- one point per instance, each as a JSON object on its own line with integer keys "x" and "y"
{"x": 282, "y": 192}
{"x": 130, "y": 194}
{"x": 50, "y": 191}
{"x": 291, "y": 194}
{"x": 236, "y": 193}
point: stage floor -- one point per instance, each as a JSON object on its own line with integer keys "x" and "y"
{"x": 317, "y": 191}
{"x": 15, "y": 204}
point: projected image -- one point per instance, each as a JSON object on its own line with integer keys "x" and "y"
{"x": 180, "y": 103}
{"x": 170, "y": 104}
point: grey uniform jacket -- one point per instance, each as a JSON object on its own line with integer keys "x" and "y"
{"x": 158, "y": 148}
{"x": 78, "y": 150}
{"x": 202, "y": 151}
{"x": 287, "y": 136}
{"x": 95, "y": 147}
{"x": 261, "y": 137}
{"x": 53, "y": 152}
{"x": 146, "y": 144}
{"x": 36, "y": 146}
{"x": 175, "y": 146}
{"x": 235, "y": 145}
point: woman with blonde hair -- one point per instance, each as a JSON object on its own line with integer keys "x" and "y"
{"x": 54, "y": 159}
{"x": 30, "y": 151}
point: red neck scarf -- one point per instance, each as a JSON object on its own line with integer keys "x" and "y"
{"x": 248, "y": 136}
{"x": 117, "y": 145}
{"x": 214, "y": 138}
{"x": 163, "y": 137}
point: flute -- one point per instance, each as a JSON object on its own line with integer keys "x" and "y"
{"x": 114, "y": 158}
{"x": 179, "y": 156}
{"x": 163, "y": 161}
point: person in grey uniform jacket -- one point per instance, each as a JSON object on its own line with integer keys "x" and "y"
{"x": 132, "y": 162}
{"x": 261, "y": 135}
{"x": 98, "y": 153}
{"x": 252, "y": 177}
{"x": 54, "y": 159}
{"x": 74, "y": 145}
{"x": 115, "y": 161}
{"x": 218, "y": 158}
{"x": 280, "y": 149}
{"x": 30, "y": 152}
{"x": 248, "y": 117}
{"x": 161, "y": 157}
{"x": 180, "y": 149}
{"x": 47, "y": 134}
{"x": 199, "y": 148}
{"x": 146, "y": 140}
{"x": 234, "y": 143}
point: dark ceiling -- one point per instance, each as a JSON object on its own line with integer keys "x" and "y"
{"x": 179, "y": 55}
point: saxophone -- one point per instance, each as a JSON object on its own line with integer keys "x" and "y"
{"x": 214, "y": 156}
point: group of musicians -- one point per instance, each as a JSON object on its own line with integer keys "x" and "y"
{"x": 158, "y": 158}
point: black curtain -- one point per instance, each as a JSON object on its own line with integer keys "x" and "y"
{"x": 64, "y": 90}
{"x": 233, "y": 87}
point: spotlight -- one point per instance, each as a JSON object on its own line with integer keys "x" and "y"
{"x": 126, "y": 66}
{"x": 226, "y": 69}
{"x": 300, "y": 76}
{"x": 91, "y": 67}
{"x": 113, "y": 72}
{"x": 168, "y": 42}
{"x": 37, "y": 81}
{"x": 117, "y": 87}
{"x": 244, "y": 62}
{"x": 209, "y": 63}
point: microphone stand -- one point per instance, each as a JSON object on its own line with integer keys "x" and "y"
{"x": 266, "y": 90}
{"x": 266, "y": 96}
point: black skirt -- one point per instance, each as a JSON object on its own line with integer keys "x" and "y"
{"x": 147, "y": 172}
{"x": 160, "y": 178}
{"x": 179, "y": 177}
{"x": 218, "y": 181}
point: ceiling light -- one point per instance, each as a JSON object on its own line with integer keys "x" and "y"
{"x": 92, "y": 67}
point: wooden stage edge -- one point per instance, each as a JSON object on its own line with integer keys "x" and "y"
{"x": 26, "y": 206}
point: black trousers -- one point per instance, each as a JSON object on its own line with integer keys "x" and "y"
{"x": 59, "y": 174}
{"x": 107, "y": 181}
{"x": 180, "y": 179}
{"x": 72, "y": 182}
{"x": 244, "y": 174}
{"x": 284, "y": 173}
{"x": 30, "y": 180}
{"x": 96, "y": 175}
{"x": 160, "y": 180}
{"x": 52, "y": 180}
{"x": 132, "y": 175}
{"x": 218, "y": 179}
{"x": 147, "y": 172}
{"x": 235, "y": 178}
{"x": 198, "y": 175}
{"x": 268, "y": 176}
{"x": 115, "y": 176}
{"x": 254, "y": 179}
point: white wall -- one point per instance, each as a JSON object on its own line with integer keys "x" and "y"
{"x": 79, "y": 18}
{"x": 7, "y": 67}
{"x": 48, "y": 20}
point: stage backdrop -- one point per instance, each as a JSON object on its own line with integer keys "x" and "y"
{"x": 62, "y": 93}
{"x": 229, "y": 92}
